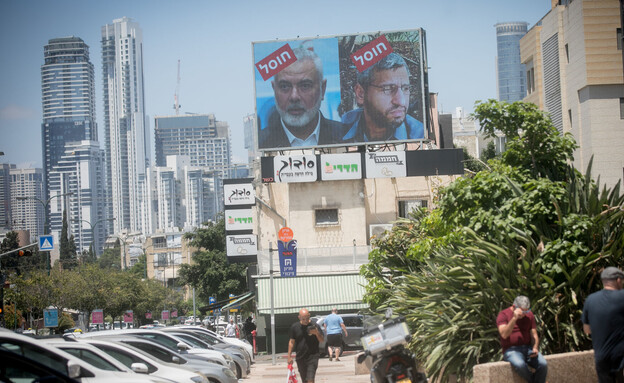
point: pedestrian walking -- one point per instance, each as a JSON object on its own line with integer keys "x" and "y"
{"x": 230, "y": 330}
{"x": 603, "y": 319}
{"x": 334, "y": 327}
{"x": 304, "y": 340}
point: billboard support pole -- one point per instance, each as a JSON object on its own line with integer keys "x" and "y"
{"x": 271, "y": 250}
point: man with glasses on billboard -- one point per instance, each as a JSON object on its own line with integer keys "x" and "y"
{"x": 519, "y": 340}
{"x": 383, "y": 93}
{"x": 297, "y": 121}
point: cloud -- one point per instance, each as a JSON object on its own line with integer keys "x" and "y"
{"x": 17, "y": 112}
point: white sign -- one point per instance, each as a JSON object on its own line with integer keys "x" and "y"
{"x": 237, "y": 245}
{"x": 385, "y": 165}
{"x": 239, "y": 194}
{"x": 238, "y": 219}
{"x": 46, "y": 242}
{"x": 344, "y": 166}
{"x": 297, "y": 168}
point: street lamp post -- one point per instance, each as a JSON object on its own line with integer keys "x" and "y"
{"x": 45, "y": 204}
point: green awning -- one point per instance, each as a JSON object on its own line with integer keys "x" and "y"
{"x": 314, "y": 292}
{"x": 240, "y": 300}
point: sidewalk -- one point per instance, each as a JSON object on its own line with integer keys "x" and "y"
{"x": 263, "y": 370}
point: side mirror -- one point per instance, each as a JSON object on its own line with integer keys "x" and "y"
{"x": 175, "y": 359}
{"x": 73, "y": 370}
{"x": 183, "y": 346}
{"x": 139, "y": 368}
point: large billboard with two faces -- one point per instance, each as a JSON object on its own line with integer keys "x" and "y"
{"x": 342, "y": 90}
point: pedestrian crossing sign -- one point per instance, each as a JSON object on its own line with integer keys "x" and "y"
{"x": 46, "y": 242}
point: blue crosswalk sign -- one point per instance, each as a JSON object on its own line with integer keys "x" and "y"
{"x": 46, "y": 242}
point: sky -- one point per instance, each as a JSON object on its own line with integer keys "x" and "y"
{"x": 213, "y": 41}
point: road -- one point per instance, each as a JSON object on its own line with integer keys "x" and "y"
{"x": 343, "y": 371}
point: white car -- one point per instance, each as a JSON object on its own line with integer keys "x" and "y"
{"x": 241, "y": 343}
{"x": 130, "y": 356}
{"x": 169, "y": 341}
{"x": 65, "y": 363}
{"x": 214, "y": 372}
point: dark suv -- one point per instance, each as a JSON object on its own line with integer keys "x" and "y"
{"x": 354, "y": 324}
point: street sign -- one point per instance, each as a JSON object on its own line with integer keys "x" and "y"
{"x": 46, "y": 242}
{"x": 50, "y": 318}
{"x": 285, "y": 234}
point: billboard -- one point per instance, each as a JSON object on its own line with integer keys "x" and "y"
{"x": 341, "y": 91}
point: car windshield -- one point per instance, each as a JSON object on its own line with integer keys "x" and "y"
{"x": 192, "y": 340}
{"x": 91, "y": 358}
{"x": 39, "y": 354}
{"x": 157, "y": 352}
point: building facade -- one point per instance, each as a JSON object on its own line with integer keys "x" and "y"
{"x": 6, "y": 221}
{"x": 510, "y": 80}
{"x": 181, "y": 195}
{"x": 79, "y": 175}
{"x": 573, "y": 60}
{"x": 68, "y": 97}
{"x": 126, "y": 134}
{"x": 27, "y": 200}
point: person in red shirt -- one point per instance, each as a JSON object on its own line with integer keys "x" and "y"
{"x": 519, "y": 340}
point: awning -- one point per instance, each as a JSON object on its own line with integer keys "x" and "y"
{"x": 314, "y": 292}
{"x": 240, "y": 300}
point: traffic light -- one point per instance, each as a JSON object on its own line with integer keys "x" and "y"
{"x": 24, "y": 253}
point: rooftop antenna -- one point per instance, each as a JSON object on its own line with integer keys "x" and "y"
{"x": 176, "y": 104}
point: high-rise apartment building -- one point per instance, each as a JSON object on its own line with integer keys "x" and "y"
{"x": 126, "y": 132}
{"x": 68, "y": 96}
{"x": 182, "y": 196}
{"x": 510, "y": 79}
{"x": 27, "y": 200}
{"x": 79, "y": 175}
{"x": 573, "y": 59}
{"x": 5, "y": 196}
{"x": 201, "y": 137}
{"x": 251, "y": 137}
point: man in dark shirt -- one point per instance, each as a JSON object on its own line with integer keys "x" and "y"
{"x": 304, "y": 340}
{"x": 519, "y": 340}
{"x": 603, "y": 318}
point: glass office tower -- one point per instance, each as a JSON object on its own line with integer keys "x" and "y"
{"x": 511, "y": 81}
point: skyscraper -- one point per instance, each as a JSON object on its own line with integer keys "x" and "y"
{"x": 68, "y": 96}
{"x": 27, "y": 211}
{"x": 510, "y": 81}
{"x": 80, "y": 174}
{"x": 126, "y": 143}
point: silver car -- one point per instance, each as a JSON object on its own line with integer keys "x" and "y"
{"x": 354, "y": 324}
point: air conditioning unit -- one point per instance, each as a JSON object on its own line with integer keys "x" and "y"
{"x": 379, "y": 229}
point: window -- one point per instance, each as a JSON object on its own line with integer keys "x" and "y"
{"x": 621, "y": 108}
{"x": 567, "y": 54}
{"x": 618, "y": 33}
{"x": 325, "y": 217}
{"x": 405, "y": 207}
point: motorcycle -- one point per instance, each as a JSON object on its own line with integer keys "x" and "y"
{"x": 384, "y": 341}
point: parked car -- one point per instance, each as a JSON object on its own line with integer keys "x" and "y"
{"x": 214, "y": 372}
{"x": 235, "y": 341}
{"x": 130, "y": 356}
{"x": 242, "y": 366}
{"x": 170, "y": 341}
{"x": 22, "y": 368}
{"x": 34, "y": 349}
{"x": 354, "y": 323}
{"x": 213, "y": 340}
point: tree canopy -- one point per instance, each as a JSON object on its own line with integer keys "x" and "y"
{"x": 529, "y": 224}
{"x": 211, "y": 273}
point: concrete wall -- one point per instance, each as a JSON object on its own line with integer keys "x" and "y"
{"x": 562, "y": 368}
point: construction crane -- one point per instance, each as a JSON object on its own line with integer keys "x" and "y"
{"x": 176, "y": 104}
